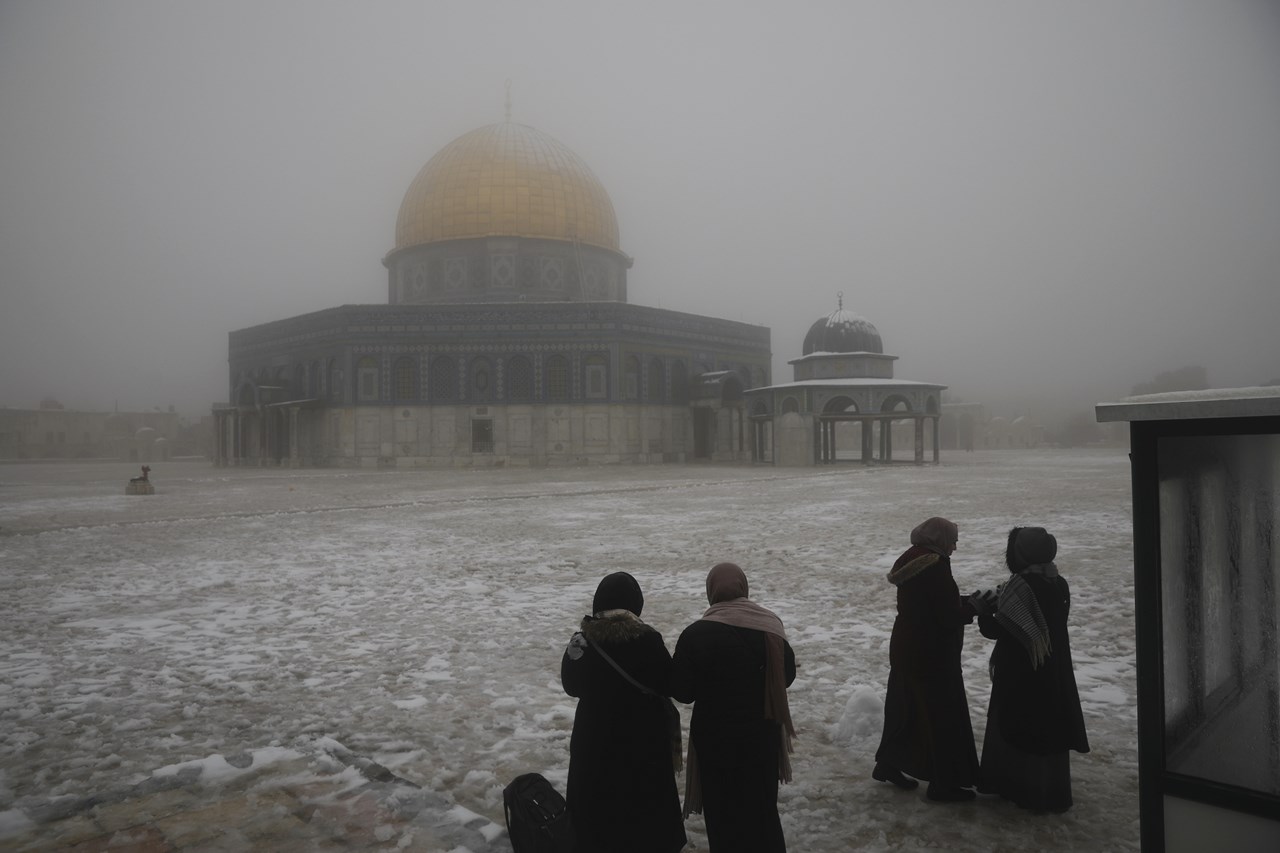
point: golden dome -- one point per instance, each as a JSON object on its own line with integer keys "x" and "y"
{"x": 506, "y": 180}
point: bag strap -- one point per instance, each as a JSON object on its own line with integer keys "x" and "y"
{"x": 613, "y": 663}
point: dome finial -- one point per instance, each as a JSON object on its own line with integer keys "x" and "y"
{"x": 508, "y": 104}
{"x": 840, "y": 300}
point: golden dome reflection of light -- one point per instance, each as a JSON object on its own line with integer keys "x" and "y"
{"x": 506, "y": 180}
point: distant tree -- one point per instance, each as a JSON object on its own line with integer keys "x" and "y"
{"x": 1191, "y": 378}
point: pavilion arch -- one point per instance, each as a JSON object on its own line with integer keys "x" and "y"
{"x": 896, "y": 403}
{"x": 842, "y": 432}
{"x": 761, "y": 431}
{"x": 840, "y": 405}
{"x": 790, "y": 405}
{"x": 931, "y": 405}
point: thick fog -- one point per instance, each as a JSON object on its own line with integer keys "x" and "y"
{"x": 1063, "y": 199}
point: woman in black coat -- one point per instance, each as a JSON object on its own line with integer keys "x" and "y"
{"x": 1035, "y": 716}
{"x": 734, "y": 664}
{"x": 622, "y": 791}
{"x": 927, "y": 731}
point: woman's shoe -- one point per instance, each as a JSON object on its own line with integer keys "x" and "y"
{"x": 881, "y": 773}
{"x": 949, "y": 795}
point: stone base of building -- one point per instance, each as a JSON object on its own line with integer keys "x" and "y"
{"x": 488, "y": 436}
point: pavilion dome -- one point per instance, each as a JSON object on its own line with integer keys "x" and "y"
{"x": 506, "y": 180}
{"x": 842, "y": 331}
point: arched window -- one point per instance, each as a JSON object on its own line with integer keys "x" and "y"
{"x": 596, "y": 377}
{"x": 481, "y": 380}
{"x": 314, "y": 383}
{"x": 656, "y": 391}
{"x": 335, "y": 381}
{"x": 519, "y": 378}
{"x": 790, "y": 404}
{"x": 442, "y": 380}
{"x": 404, "y": 379}
{"x": 679, "y": 383}
{"x": 631, "y": 379}
{"x": 557, "y": 378}
{"x": 299, "y": 387}
{"x": 367, "y": 379}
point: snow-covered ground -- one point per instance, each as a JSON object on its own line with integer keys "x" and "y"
{"x": 417, "y": 618}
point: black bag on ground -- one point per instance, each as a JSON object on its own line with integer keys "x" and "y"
{"x": 537, "y": 816}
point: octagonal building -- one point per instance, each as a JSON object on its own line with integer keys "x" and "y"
{"x": 507, "y": 338}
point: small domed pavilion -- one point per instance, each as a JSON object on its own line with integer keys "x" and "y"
{"x": 843, "y": 403}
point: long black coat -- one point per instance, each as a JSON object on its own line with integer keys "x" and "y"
{"x": 1038, "y": 709}
{"x": 622, "y": 791}
{"x": 720, "y": 669}
{"x": 927, "y": 730}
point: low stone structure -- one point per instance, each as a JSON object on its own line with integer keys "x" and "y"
{"x": 141, "y": 485}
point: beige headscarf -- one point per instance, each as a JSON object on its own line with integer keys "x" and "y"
{"x": 727, "y": 594}
{"x": 937, "y": 534}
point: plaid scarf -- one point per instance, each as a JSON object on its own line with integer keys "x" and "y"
{"x": 1019, "y": 613}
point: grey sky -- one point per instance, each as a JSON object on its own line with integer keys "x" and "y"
{"x": 1072, "y": 196}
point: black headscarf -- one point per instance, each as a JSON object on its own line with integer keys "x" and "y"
{"x": 1030, "y": 546}
{"x": 618, "y": 591}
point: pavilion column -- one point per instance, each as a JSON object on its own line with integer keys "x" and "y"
{"x": 293, "y": 437}
{"x": 937, "y": 442}
{"x": 219, "y": 422}
{"x": 227, "y": 437}
{"x": 262, "y": 437}
{"x": 642, "y": 415}
{"x": 919, "y": 440}
{"x": 866, "y": 426}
